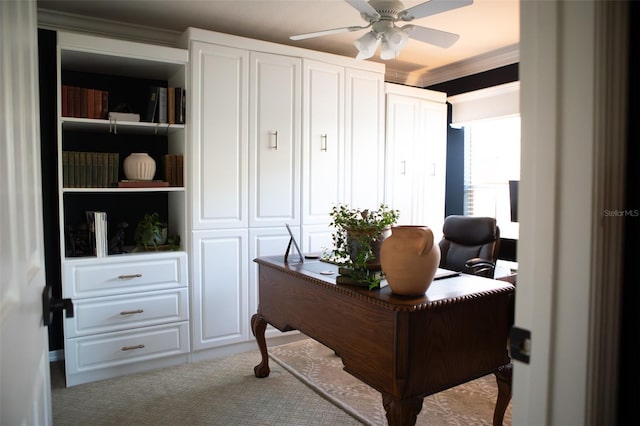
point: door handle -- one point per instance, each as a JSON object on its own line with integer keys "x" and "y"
{"x": 51, "y": 305}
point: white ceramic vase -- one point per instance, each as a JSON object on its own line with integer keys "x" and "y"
{"x": 139, "y": 166}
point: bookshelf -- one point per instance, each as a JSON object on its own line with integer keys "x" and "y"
{"x": 92, "y": 147}
{"x": 131, "y": 306}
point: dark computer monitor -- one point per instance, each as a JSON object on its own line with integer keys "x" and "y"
{"x": 513, "y": 198}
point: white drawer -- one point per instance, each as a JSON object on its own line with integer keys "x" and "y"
{"x": 115, "y": 275}
{"x": 111, "y": 350}
{"x": 115, "y": 313}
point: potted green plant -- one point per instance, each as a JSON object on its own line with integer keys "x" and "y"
{"x": 357, "y": 237}
{"x": 151, "y": 233}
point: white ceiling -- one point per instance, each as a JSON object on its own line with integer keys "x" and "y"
{"x": 488, "y": 28}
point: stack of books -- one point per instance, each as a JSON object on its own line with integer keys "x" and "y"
{"x": 83, "y": 102}
{"x": 98, "y": 240}
{"x": 89, "y": 169}
{"x": 166, "y": 105}
{"x": 346, "y": 276}
{"x": 173, "y": 165}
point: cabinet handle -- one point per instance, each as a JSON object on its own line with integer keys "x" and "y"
{"x": 323, "y": 142}
{"x": 130, "y": 348}
{"x": 137, "y": 311}
{"x": 276, "y": 140}
{"x": 126, "y": 277}
{"x": 404, "y": 167}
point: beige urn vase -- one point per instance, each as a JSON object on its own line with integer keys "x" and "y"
{"x": 409, "y": 259}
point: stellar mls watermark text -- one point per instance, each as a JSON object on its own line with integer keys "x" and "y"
{"x": 622, "y": 213}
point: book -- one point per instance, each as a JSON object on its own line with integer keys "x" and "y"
{"x": 114, "y": 164}
{"x": 124, "y": 116}
{"x": 162, "y": 105}
{"x": 76, "y": 101}
{"x": 91, "y": 103}
{"x": 346, "y": 277}
{"x": 63, "y": 100}
{"x": 83, "y": 102}
{"x": 169, "y": 166}
{"x": 97, "y": 104}
{"x": 171, "y": 105}
{"x": 65, "y": 169}
{"x": 179, "y": 99}
{"x": 97, "y": 225}
{"x": 105, "y": 104}
{"x": 131, "y": 183}
{"x": 179, "y": 170}
{"x": 152, "y": 104}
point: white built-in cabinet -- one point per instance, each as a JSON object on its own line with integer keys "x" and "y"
{"x": 342, "y": 145}
{"x": 131, "y": 310}
{"x": 416, "y": 129}
{"x": 275, "y": 135}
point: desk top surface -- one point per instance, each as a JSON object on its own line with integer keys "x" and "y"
{"x": 448, "y": 290}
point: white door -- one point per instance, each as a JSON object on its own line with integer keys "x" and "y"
{"x": 403, "y": 118}
{"x": 364, "y": 139}
{"x": 25, "y": 384}
{"x": 322, "y": 141}
{"x": 219, "y": 135}
{"x": 274, "y": 140}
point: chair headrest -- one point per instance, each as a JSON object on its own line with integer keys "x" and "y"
{"x": 470, "y": 230}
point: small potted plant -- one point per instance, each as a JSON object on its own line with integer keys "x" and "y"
{"x": 357, "y": 237}
{"x": 151, "y": 233}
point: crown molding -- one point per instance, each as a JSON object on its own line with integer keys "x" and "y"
{"x": 487, "y": 61}
{"x": 70, "y": 22}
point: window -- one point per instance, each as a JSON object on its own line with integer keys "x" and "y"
{"x": 492, "y": 159}
{"x": 491, "y": 121}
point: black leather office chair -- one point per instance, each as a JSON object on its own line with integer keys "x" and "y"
{"x": 470, "y": 244}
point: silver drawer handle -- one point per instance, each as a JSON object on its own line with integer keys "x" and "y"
{"x": 126, "y": 277}
{"x": 137, "y": 311}
{"x": 130, "y": 348}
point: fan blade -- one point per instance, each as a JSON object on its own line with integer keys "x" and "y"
{"x": 429, "y": 35}
{"x": 365, "y": 9}
{"x": 432, "y": 7}
{"x": 327, "y": 32}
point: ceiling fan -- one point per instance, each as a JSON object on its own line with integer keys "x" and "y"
{"x": 382, "y": 16}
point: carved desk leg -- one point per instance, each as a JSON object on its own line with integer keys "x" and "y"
{"x": 258, "y": 326}
{"x": 401, "y": 412}
{"x": 504, "y": 377}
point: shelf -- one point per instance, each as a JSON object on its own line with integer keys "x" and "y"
{"x": 121, "y": 190}
{"x": 128, "y": 127}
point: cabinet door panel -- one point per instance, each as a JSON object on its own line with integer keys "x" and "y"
{"x": 268, "y": 242}
{"x": 323, "y": 141}
{"x": 364, "y": 139}
{"x": 402, "y": 128}
{"x": 219, "y": 97}
{"x": 274, "y": 139}
{"x": 220, "y": 288}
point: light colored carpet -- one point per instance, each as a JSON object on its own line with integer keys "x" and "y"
{"x": 217, "y": 392}
{"x": 306, "y": 387}
{"x": 469, "y": 404}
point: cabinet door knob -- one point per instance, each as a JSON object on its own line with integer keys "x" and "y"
{"x": 275, "y": 146}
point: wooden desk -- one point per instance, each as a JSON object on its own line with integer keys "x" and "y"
{"x": 404, "y": 347}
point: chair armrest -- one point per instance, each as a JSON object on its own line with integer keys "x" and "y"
{"x": 480, "y": 266}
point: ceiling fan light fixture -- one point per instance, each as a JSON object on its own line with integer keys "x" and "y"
{"x": 367, "y": 45}
{"x": 393, "y": 40}
{"x": 396, "y": 38}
